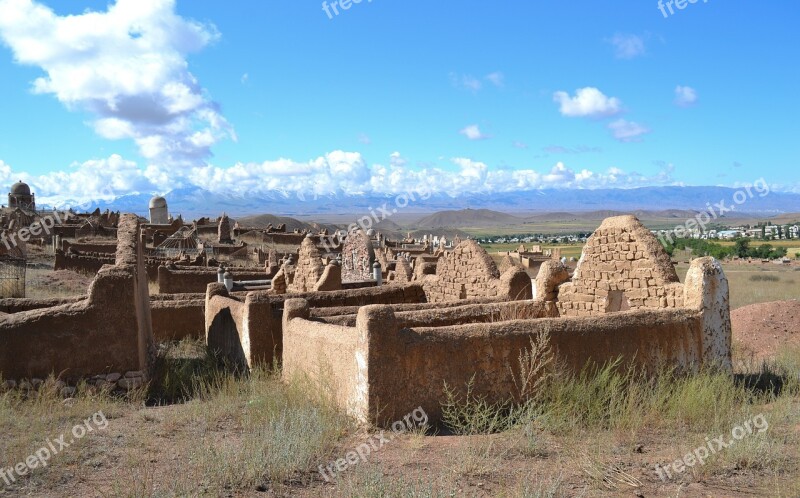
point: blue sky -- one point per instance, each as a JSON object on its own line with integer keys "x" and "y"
{"x": 151, "y": 95}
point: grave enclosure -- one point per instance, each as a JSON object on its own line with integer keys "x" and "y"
{"x": 387, "y": 349}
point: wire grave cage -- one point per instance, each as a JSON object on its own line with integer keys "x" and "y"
{"x": 12, "y": 277}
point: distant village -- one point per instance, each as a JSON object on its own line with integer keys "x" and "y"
{"x": 763, "y": 231}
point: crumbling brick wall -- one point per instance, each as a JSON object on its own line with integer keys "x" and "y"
{"x": 403, "y": 273}
{"x": 192, "y": 279}
{"x": 403, "y": 359}
{"x": 623, "y": 266}
{"x": 89, "y": 263}
{"x": 109, "y": 330}
{"x": 309, "y": 268}
{"x": 469, "y": 272}
{"x": 358, "y": 256}
{"x": 240, "y": 327}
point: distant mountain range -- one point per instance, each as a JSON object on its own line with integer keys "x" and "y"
{"x": 195, "y": 202}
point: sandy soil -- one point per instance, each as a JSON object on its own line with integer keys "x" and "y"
{"x": 765, "y": 329}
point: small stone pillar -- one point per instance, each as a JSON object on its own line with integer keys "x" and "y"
{"x": 377, "y": 274}
{"x": 228, "y": 280}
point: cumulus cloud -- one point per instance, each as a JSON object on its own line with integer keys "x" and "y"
{"x": 93, "y": 180}
{"x": 587, "y": 102}
{"x": 473, "y": 132}
{"x": 128, "y": 67}
{"x": 627, "y": 46}
{"x": 336, "y": 173}
{"x": 685, "y": 96}
{"x": 627, "y": 131}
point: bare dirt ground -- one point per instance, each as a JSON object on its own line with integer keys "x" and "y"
{"x": 45, "y": 283}
{"x": 767, "y": 329}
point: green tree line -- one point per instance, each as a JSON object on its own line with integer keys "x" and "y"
{"x": 741, "y": 248}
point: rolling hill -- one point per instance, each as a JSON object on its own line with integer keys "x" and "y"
{"x": 467, "y": 218}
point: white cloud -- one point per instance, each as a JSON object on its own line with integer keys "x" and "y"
{"x": 587, "y": 102}
{"x": 466, "y": 81}
{"x": 627, "y": 46}
{"x": 685, "y": 96}
{"x": 627, "y": 131}
{"x": 397, "y": 160}
{"x": 519, "y": 144}
{"x": 364, "y": 139}
{"x": 335, "y": 173}
{"x": 128, "y": 67}
{"x": 473, "y": 132}
{"x": 497, "y": 79}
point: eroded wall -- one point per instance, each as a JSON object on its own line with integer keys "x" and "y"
{"x": 469, "y": 272}
{"x": 190, "y": 280}
{"x": 623, "y": 266}
{"x": 404, "y": 355}
{"x": 110, "y": 330}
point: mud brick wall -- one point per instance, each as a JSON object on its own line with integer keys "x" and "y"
{"x": 84, "y": 247}
{"x": 178, "y": 316}
{"x": 623, "y": 266}
{"x": 357, "y": 257}
{"x": 466, "y": 272}
{"x": 109, "y": 330}
{"x": 83, "y": 263}
{"x": 248, "y": 328}
{"x": 190, "y": 279}
{"x": 384, "y": 362}
{"x": 469, "y": 272}
{"x": 309, "y": 268}
{"x": 403, "y": 272}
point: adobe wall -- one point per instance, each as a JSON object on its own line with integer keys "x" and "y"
{"x": 177, "y": 316}
{"x": 311, "y": 274}
{"x": 15, "y": 305}
{"x": 403, "y": 273}
{"x": 623, "y": 266}
{"x": 82, "y": 263}
{"x": 83, "y": 247}
{"x": 398, "y": 367}
{"x": 446, "y": 314}
{"x": 706, "y": 290}
{"x": 242, "y": 331}
{"x": 403, "y": 358}
{"x": 226, "y": 314}
{"x": 410, "y": 366}
{"x": 110, "y": 330}
{"x": 334, "y": 311}
{"x": 332, "y": 356}
{"x": 469, "y": 272}
{"x": 191, "y": 279}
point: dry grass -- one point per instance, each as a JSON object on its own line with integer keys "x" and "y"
{"x": 234, "y": 436}
{"x": 757, "y": 283}
{"x": 230, "y": 433}
{"x": 199, "y": 431}
{"x": 47, "y": 284}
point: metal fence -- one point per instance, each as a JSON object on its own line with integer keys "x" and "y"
{"x": 12, "y": 277}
